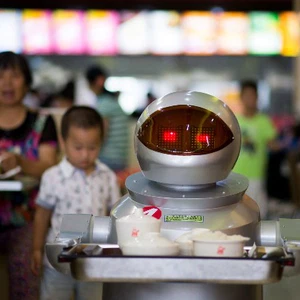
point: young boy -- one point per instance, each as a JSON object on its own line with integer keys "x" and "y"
{"x": 79, "y": 184}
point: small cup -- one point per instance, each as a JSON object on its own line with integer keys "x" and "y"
{"x": 132, "y": 226}
{"x": 218, "y": 244}
{"x": 185, "y": 241}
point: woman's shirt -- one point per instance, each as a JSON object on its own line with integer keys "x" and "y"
{"x": 17, "y": 208}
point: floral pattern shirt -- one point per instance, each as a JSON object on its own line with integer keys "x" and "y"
{"x": 17, "y": 208}
{"x": 67, "y": 190}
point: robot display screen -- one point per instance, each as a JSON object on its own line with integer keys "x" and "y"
{"x": 185, "y": 130}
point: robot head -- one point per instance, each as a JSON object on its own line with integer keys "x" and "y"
{"x": 187, "y": 138}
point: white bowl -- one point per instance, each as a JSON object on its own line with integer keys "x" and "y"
{"x": 132, "y": 226}
{"x": 185, "y": 241}
{"x": 218, "y": 244}
{"x": 150, "y": 244}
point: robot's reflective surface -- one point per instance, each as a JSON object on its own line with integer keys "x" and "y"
{"x": 187, "y": 144}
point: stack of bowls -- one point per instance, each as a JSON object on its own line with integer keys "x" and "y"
{"x": 139, "y": 234}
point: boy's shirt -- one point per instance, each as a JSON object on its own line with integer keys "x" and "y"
{"x": 67, "y": 190}
{"x": 256, "y": 133}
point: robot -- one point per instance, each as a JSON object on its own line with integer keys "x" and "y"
{"x": 187, "y": 144}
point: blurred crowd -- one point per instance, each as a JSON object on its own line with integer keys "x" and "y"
{"x": 93, "y": 143}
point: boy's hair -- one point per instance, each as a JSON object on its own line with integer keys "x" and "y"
{"x": 11, "y": 60}
{"x": 252, "y": 84}
{"x": 94, "y": 72}
{"x": 81, "y": 117}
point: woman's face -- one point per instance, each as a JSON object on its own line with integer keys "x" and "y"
{"x": 13, "y": 87}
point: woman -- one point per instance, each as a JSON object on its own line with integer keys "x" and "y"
{"x": 28, "y": 140}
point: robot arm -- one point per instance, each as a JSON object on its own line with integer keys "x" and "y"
{"x": 284, "y": 233}
{"x": 76, "y": 229}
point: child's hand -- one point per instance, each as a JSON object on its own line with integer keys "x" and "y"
{"x": 36, "y": 262}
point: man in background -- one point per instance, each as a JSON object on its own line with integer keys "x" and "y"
{"x": 258, "y": 135}
{"x": 115, "y": 148}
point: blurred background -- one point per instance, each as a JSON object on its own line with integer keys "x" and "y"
{"x": 158, "y": 47}
{"x": 154, "y": 47}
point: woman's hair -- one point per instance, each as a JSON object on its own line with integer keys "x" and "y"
{"x": 11, "y": 60}
{"x": 81, "y": 117}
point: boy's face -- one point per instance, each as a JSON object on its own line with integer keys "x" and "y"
{"x": 249, "y": 98}
{"x": 82, "y": 147}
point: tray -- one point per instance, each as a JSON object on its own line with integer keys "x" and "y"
{"x": 96, "y": 262}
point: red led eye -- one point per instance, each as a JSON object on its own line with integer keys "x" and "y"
{"x": 170, "y": 136}
{"x": 185, "y": 130}
{"x": 202, "y": 138}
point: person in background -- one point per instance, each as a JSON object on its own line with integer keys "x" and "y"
{"x": 278, "y": 181}
{"x": 115, "y": 148}
{"x": 258, "y": 135}
{"x": 32, "y": 99}
{"x": 28, "y": 140}
{"x": 79, "y": 184}
{"x": 65, "y": 98}
{"x": 149, "y": 99}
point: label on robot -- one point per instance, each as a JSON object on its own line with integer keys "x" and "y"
{"x": 183, "y": 218}
{"x": 152, "y": 211}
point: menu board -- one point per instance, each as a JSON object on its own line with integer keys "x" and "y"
{"x": 290, "y": 31}
{"x": 264, "y": 35}
{"x": 199, "y": 33}
{"x": 232, "y": 34}
{"x": 133, "y": 35}
{"x": 165, "y": 33}
{"x": 10, "y": 31}
{"x": 36, "y": 31}
{"x": 107, "y": 32}
{"x": 68, "y": 32}
{"x": 101, "y": 32}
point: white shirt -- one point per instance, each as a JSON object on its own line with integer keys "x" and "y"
{"x": 67, "y": 190}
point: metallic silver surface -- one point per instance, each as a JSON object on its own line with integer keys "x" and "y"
{"x": 268, "y": 233}
{"x": 52, "y": 250}
{"x": 76, "y": 227}
{"x": 293, "y": 247}
{"x": 226, "y": 192}
{"x": 284, "y": 232}
{"x": 157, "y": 269}
{"x": 290, "y": 229}
{"x": 189, "y": 170}
{"x": 193, "y": 191}
{"x": 290, "y": 236}
{"x": 101, "y": 229}
{"x": 221, "y": 206}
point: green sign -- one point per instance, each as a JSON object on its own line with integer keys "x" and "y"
{"x": 183, "y": 218}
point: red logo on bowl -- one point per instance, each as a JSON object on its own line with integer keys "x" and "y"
{"x": 152, "y": 211}
{"x": 221, "y": 250}
{"x": 135, "y": 232}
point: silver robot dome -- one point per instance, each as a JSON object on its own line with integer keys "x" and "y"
{"x": 187, "y": 138}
